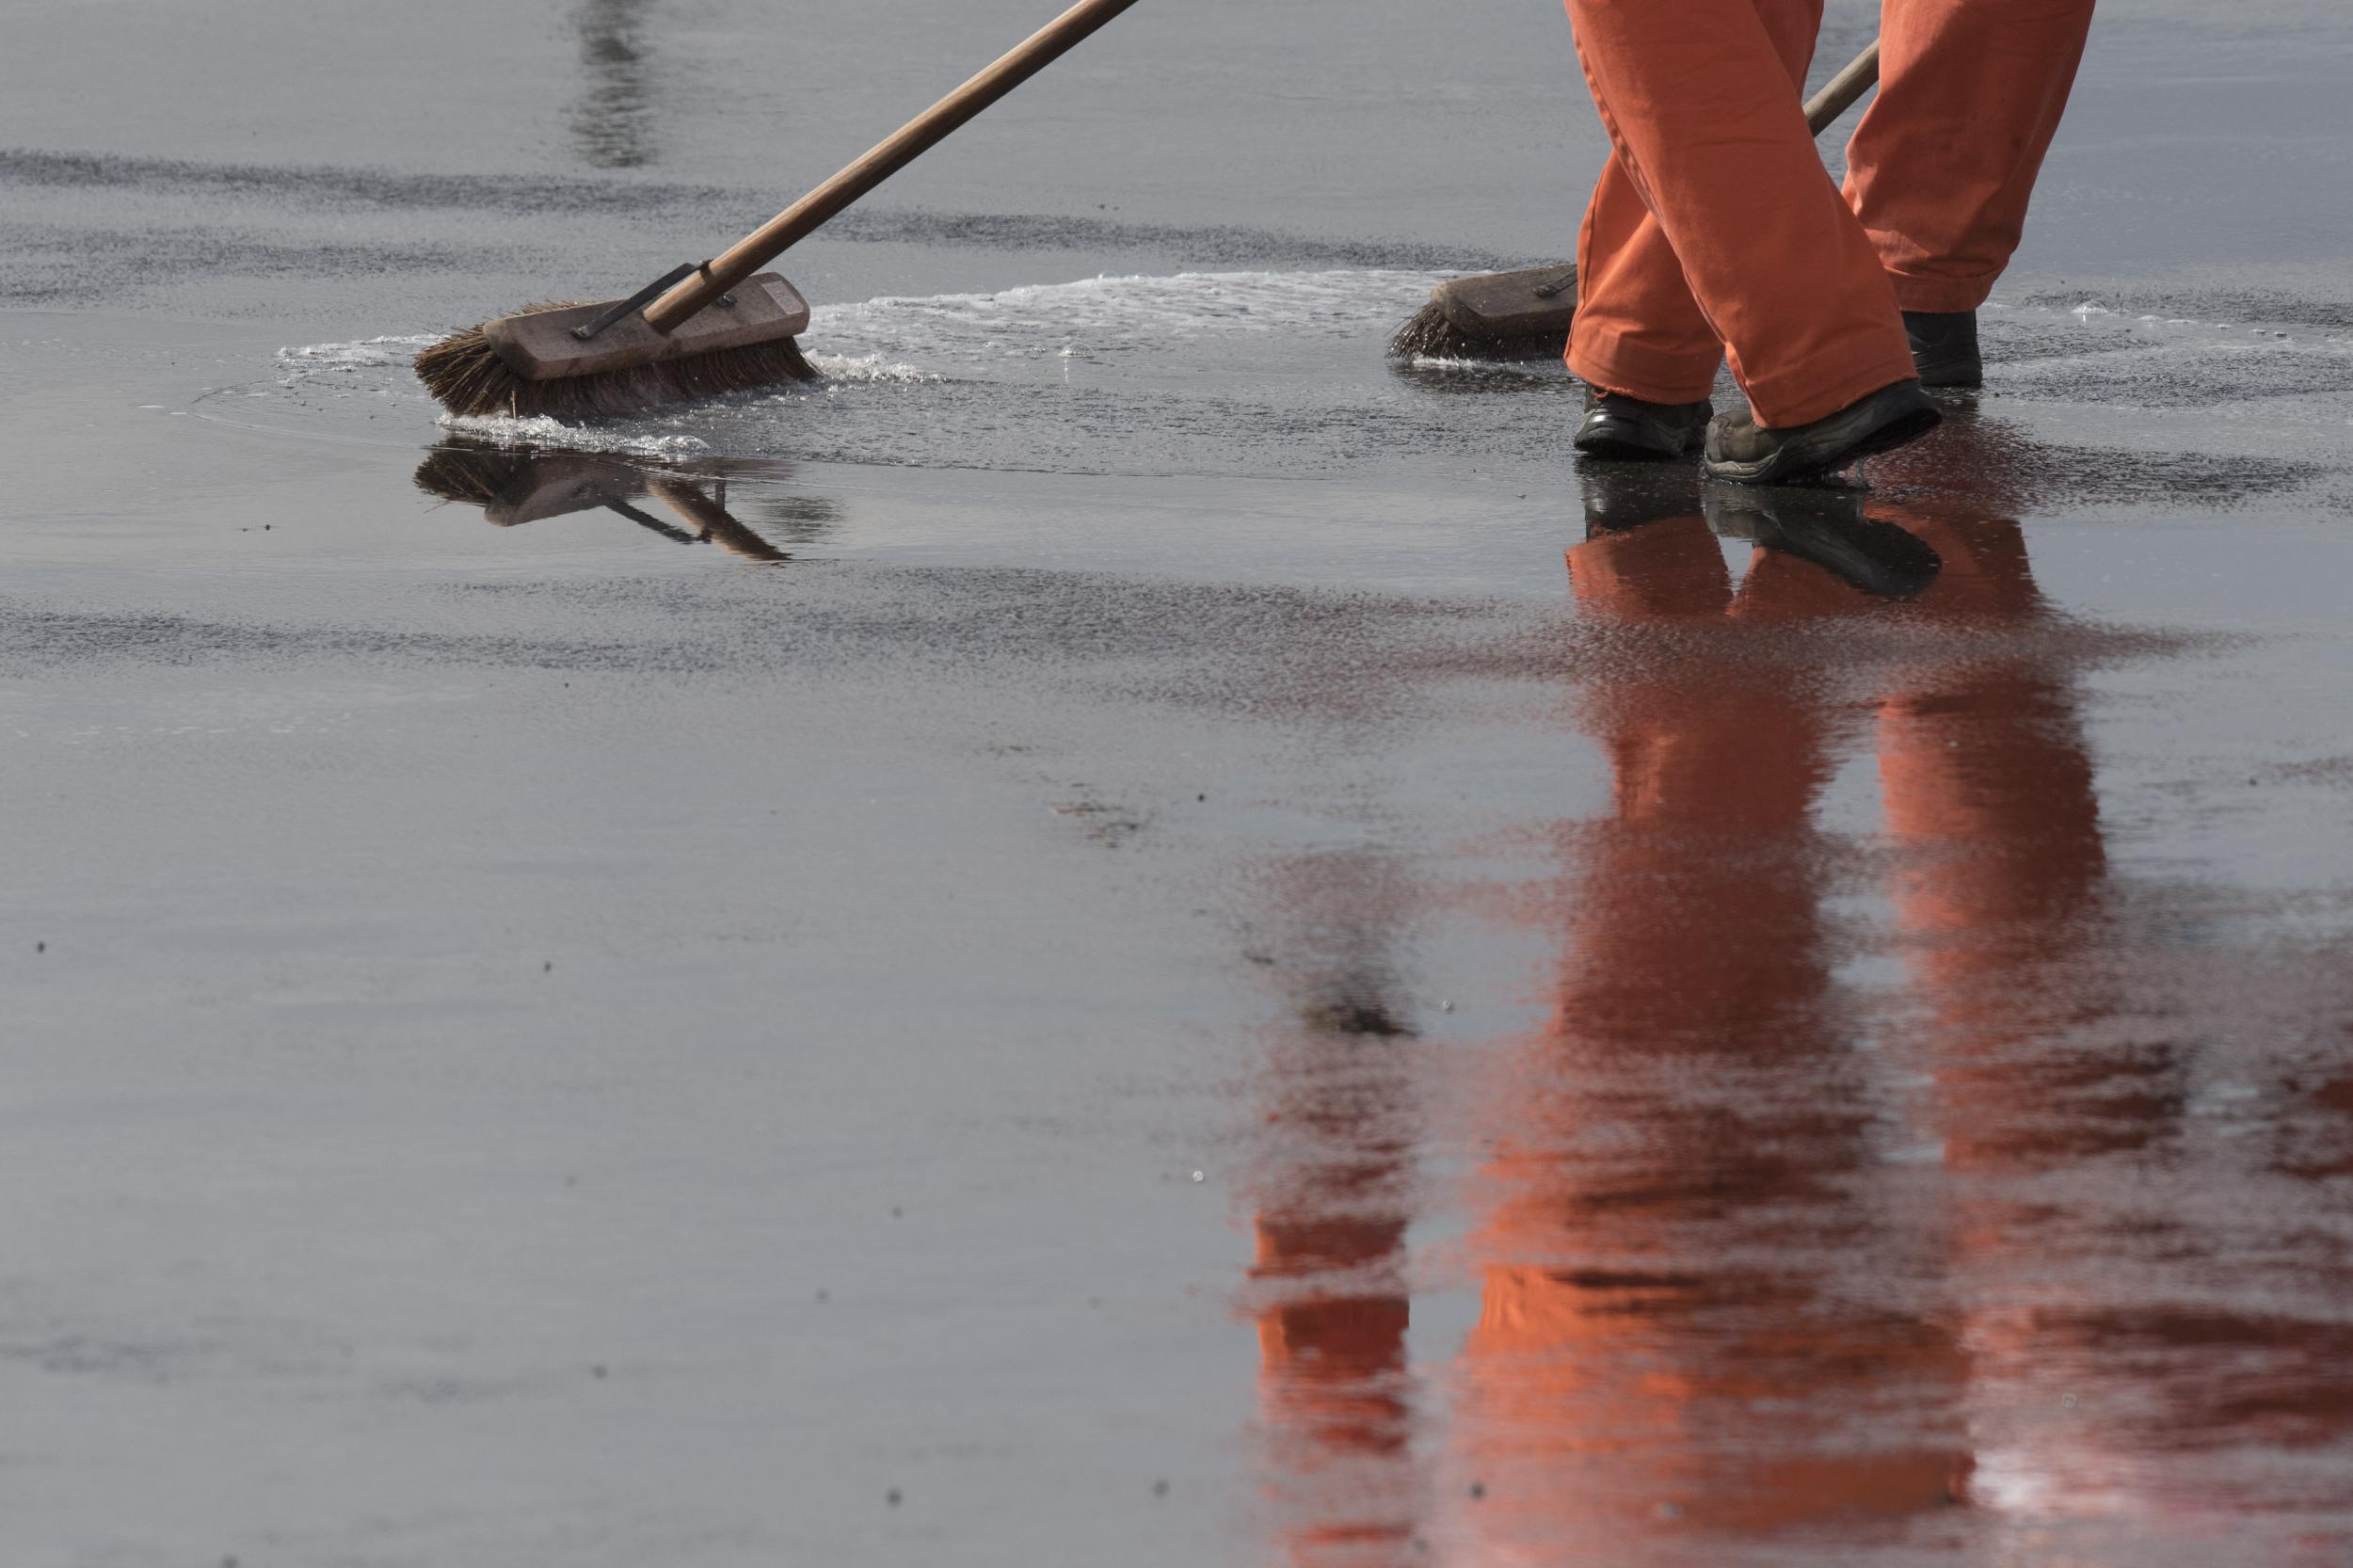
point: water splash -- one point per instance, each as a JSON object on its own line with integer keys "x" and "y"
{"x": 539, "y": 433}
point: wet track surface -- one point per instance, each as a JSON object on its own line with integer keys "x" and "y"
{"x": 1125, "y": 934}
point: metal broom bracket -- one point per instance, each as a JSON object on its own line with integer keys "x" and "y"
{"x": 643, "y": 297}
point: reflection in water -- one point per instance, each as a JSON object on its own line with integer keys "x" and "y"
{"x": 514, "y": 487}
{"x": 1830, "y": 529}
{"x": 1327, "y": 1284}
{"x": 611, "y": 121}
{"x": 799, "y": 520}
{"x": 1681, "y": 1201}
{"x": 1773, "y": 1267}
{"x": 2143, "y": 1351}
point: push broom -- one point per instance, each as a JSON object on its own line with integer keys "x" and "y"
{"x": 1524, "y": 314}
{"x": 712, "y": 326}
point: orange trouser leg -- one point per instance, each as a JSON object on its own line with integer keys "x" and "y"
{"x": 1700, "y": 105}
{"x": 1638, "y": 331}
{"x": 1940, "y": 167}
{"x": 1644, "y": 333}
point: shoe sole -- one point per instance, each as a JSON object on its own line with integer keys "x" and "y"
{"x": 1792, "y": 466}
{"x": 1609, "y": 445}
{"x": 1959, "y": 372}
{"x": 1607, "y": 450}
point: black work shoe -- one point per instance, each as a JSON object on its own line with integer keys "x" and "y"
{"x": 1617, "y": 426}
{"x": 1945, "y": 348}
{"x": 1745, "y": 452}
{"x": 1827, "y": 527}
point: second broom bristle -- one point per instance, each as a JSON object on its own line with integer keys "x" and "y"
{"x": 1430, "y": 336}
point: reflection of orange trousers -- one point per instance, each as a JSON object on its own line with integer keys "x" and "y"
{"x": 1715, "y": 229}
{"x": 1660, "y": 1361}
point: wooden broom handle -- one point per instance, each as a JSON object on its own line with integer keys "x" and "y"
{"x": 1839, "y": 93}
{"x": 918, "y": 135}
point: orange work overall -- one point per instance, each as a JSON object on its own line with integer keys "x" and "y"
{"x": 1716, "y": 230}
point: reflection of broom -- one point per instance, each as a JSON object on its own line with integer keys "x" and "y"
{"x": 524, "y": 486}
{"x": 514, "y": 487}
{"x": 1524, "y": 314}
{"x": 708, "y": 327}
{"x": 477, "y": 475}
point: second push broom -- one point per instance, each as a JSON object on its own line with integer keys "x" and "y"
{"x": 712, "y": 326}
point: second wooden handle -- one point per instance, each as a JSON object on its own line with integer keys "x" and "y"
{"x": 1839, "y": 93}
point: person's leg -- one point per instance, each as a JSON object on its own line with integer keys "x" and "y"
{"x": 1646, "y": 355}
{"x": 1638, "y": 330}
{"x": 1940, "y": 167}
{"x": 1701, "y": 105}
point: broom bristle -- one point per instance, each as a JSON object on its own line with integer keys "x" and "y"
{"x": 465, "y": 374}
{"x": 1430, "y": 336}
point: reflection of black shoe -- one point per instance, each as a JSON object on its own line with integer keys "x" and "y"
{"x": 1622, "y": 497}
{"x": 1745, "y": 452}
{"x": 1828, "y": 528}
{"x": 1617, "y": 426}
{"x": 1945, "y": 348}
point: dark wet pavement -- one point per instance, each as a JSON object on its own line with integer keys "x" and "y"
{"x": 1127, "y": 934}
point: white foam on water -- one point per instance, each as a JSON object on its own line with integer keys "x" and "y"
{"x": 867, "y": 367}
{"x": 1096, "y": 318}
{"x": 540, "y": 432}
{"x": 382, "y": 350}
{"x": 1525, "y": 369}
{"x": 314, "y": 359}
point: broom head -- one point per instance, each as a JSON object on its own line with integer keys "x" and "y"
{"x": 534, "y": 363}
{"x": 1495, "y": 315}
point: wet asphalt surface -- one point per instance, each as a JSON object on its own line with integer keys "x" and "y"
{"x": 1125, "y": 934}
